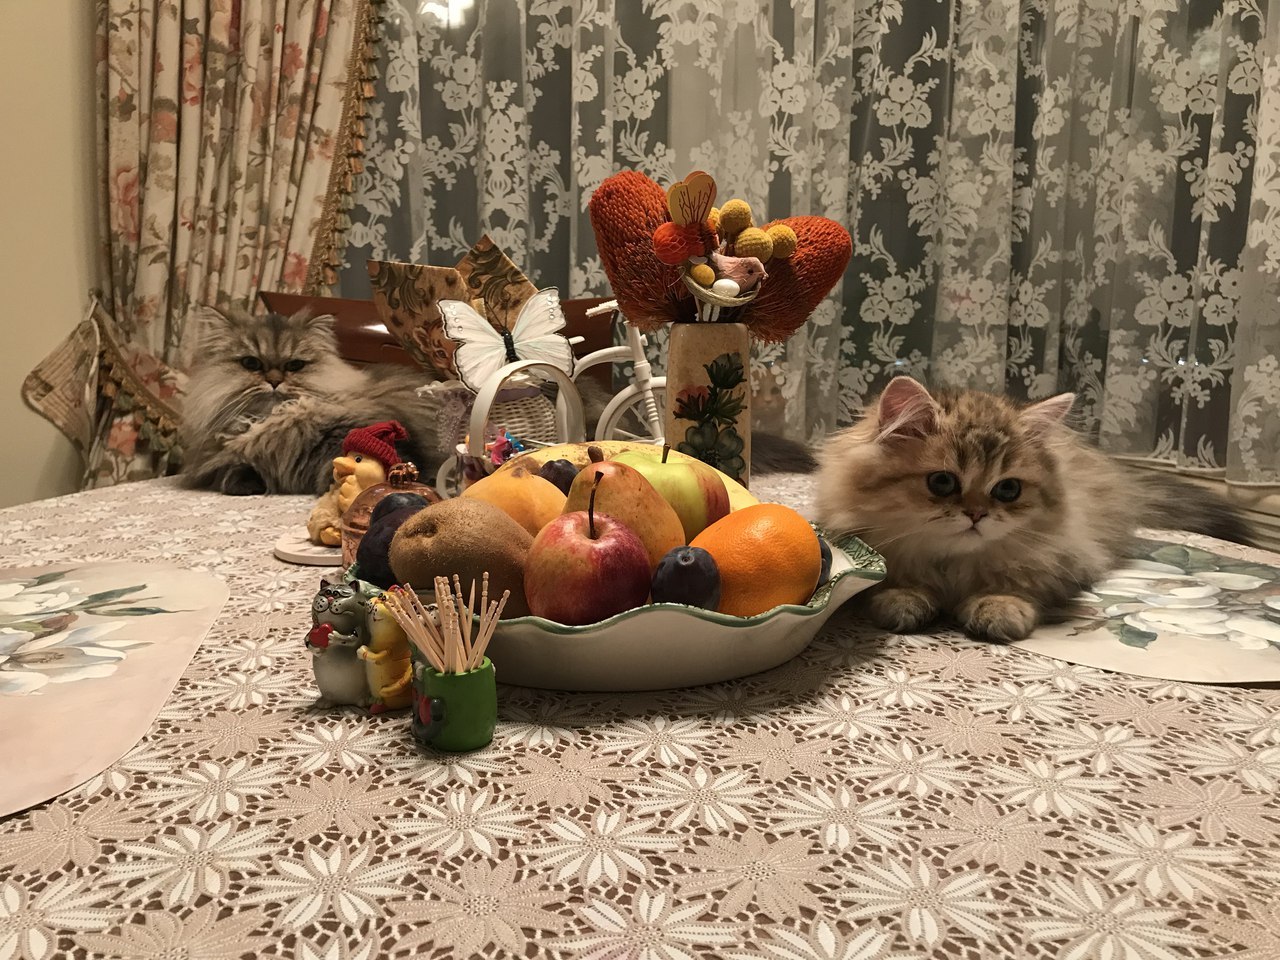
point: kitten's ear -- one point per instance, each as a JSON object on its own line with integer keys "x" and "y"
{"x": 906, "y": 409}
{"x": 1047, "y": 414}
{"x": 324, "y": 323}
{"x": 207, "y": 327}
{"x": 305, "y": 317}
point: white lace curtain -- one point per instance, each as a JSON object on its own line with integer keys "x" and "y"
{"x": 1069, "y": 195}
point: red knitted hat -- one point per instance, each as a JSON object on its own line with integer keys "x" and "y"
{"x": 377, "y": 440}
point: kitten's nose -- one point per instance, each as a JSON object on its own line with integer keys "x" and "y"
{"x": 274, "y": 377}
{"x": 975, "y": 514}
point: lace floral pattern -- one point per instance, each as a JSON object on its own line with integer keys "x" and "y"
{"x": 1042, "y": 195}
{"x": 876, "y": 797}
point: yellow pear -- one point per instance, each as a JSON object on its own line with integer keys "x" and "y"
{"x": 525, "y": 497}
{"x": 625, "y": 495}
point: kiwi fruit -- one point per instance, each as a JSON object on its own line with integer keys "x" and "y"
{"x": 468, "y": 537}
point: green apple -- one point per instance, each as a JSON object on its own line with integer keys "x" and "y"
{"x": 697, "y": 496}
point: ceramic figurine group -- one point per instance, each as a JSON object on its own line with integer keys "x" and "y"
{"x": 361, "y": 656}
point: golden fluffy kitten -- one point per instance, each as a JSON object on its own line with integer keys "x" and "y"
{"x": 989, "y": 511}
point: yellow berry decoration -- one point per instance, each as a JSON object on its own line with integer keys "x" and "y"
{"x": 753, "y": 242}
{"x": 735, "y": 216}
{"x": 713, "y": 219}
{"x": 784, "y": 241}
{"x": 702, "y": 275}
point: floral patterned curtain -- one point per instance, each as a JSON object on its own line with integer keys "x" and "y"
{"x": 1043, "y": 196}
{"x": 221, "y": 140}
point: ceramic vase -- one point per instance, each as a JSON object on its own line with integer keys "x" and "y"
{"x": 709, "y": 395}
{"x": 455, "y": 712}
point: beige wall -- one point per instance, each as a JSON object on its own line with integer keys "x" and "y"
{"x": 47, "y": 221}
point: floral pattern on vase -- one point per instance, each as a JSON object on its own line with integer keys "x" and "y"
{"x": 708, "y": 400}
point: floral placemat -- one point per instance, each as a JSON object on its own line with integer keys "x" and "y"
{"x": 1176, "y": 612}
{"x": 876, "y": 797}
{"x": 88, "y": 656}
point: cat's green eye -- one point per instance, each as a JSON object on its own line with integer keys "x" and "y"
{"x": 293, "y": 366}
{"x": 252, "y": 364}
{"x": 942, "y": 483}
{"x": 1007, "y": 490}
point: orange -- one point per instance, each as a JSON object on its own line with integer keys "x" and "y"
{"x": 767, "y": 555}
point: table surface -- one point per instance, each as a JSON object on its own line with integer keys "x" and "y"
{"x": 876, "y": 797}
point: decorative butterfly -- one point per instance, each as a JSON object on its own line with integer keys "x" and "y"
{"x": 484, "y": 349}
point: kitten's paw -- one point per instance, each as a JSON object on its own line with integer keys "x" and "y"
{"x": 997, "y": 618}
{"x": 243, "y": 482}
{"x": 900, "y": 610}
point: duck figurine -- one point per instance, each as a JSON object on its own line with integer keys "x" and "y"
{"x": 367, "y": 454}
{"x": 387, "y": 663}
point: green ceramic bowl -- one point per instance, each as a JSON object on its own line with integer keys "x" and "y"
{"x": 667, "y": 645}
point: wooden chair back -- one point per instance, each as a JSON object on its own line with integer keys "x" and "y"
{"x": 364, "y": 339}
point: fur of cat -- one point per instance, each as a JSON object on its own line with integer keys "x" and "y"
{"x": 270, "y": 401}
{"x": 273, "y": 429}
{"x": 997, "y": 566}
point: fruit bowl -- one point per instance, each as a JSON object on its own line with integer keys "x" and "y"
{"x": 664, "y": 646}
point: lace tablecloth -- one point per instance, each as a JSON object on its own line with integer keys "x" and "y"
{"x": 876, "y": 797}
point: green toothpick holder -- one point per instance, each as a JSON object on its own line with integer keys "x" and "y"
{"x": 455, "y": 712}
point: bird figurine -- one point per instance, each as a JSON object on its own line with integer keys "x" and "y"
{"x": 388, "y": 669}
{"x": 746, "y": 272}
{"x": 367, "y": 454}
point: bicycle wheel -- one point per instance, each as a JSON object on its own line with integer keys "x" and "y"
{"x": 625, "y": 416}
{"x": 449, "y": 478}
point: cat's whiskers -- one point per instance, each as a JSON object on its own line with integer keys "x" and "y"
{"x": 232, "y": 412}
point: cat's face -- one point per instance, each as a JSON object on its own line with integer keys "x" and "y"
{"x": 272, "y": 358}
{"x": 953, "y": 473}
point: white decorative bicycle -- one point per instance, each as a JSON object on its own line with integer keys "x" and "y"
{"x": 511, "y": 399}
{"x": 636, "y": 412}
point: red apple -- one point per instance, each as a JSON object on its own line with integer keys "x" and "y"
{"x": 584, "y": 567}
{"x": 629, "y": 498}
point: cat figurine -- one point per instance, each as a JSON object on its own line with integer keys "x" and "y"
{"x": 270, "y": 401}
{"x": 338, "y": 617}
{"x": 992, "y": 513}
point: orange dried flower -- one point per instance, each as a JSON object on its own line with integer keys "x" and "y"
{"x": 673, "y": 244}
{"x": 798, "y": 284}
{"x": 625, "y": 211}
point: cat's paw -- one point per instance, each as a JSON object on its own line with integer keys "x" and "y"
{"x": 997, "y": 618}
{"x": 901, "y": 610}
{"x": 243, "y": 481}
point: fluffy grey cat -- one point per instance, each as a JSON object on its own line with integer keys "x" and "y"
{"x": 270, "y": 401}
{"x": 989, "y": 511}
